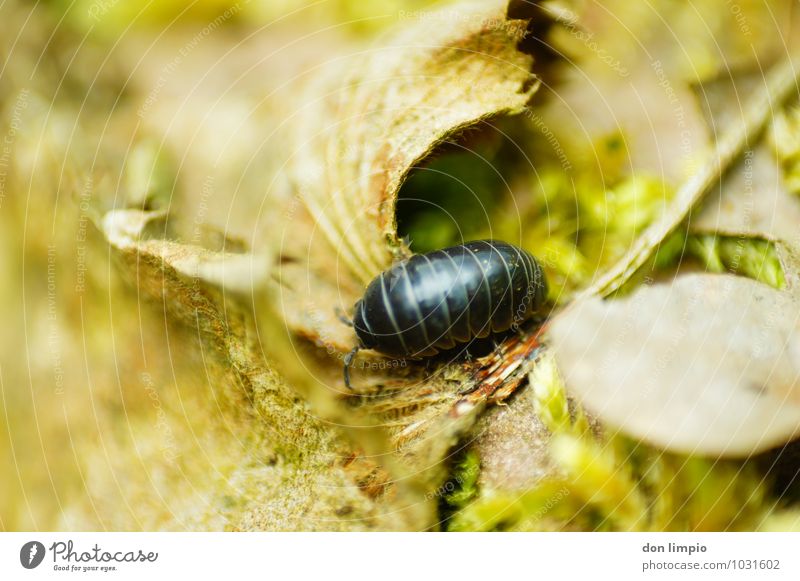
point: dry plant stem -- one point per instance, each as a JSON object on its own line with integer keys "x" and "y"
{"x": 501, "y": 373}
{"x": 780, "y": 84}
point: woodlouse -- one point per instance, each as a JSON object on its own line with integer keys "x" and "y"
{"x": 433, "y": 302}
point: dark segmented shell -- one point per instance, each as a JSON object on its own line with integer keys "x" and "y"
{"x": 432, "y": 302}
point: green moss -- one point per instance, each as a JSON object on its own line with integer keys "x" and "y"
{"x": 612, "y": 482}
{"x": 149, "y": 176}
{"x": 576, "y": 220}
{"x": 547, "y": 503}
{"x": 584, "y": 220}
{"x": 464, "y": 481}
{"x": 600, "y": 478}
{"x": 785, "y": 139}
{"x": 751, "y": 257}
{"x": 670, "y": 251}
{"x": 461, "y": 488}
{"x": 456, "y": 195}
{"x": 746, "y": 256}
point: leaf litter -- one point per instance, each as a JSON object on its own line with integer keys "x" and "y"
{"x": 348, "y": 153}
{"x": 350, "y": 149}
{"x": 717, "y": 352}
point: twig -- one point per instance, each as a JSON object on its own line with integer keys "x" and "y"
{"x": 781, "y": 83}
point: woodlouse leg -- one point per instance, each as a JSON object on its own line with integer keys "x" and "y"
{"x": 348, "y": 361}
{"x": 340, "y": 314}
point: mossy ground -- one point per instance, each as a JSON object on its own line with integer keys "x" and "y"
{"x": 103, "y": 430}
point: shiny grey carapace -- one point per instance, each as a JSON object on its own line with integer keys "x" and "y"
{"x": 433, "y": 302}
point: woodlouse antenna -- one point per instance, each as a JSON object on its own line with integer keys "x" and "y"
{"x": 342, "y": 316}
{"x": 348, "y": 361}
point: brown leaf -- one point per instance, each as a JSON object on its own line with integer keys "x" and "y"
{"x": 707, "y": 365}
{"x": 308, "y": 449}
{"x": 328, "y": 227}
{"x": 360, "y": 130}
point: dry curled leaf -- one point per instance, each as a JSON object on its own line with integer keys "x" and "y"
{"x": 363, "y": 122}
{"x": 709, "y": 364}
{"x": 353, "y": 139}
{"x": 291, "y": 451}
{"x": 362, "y": 127}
